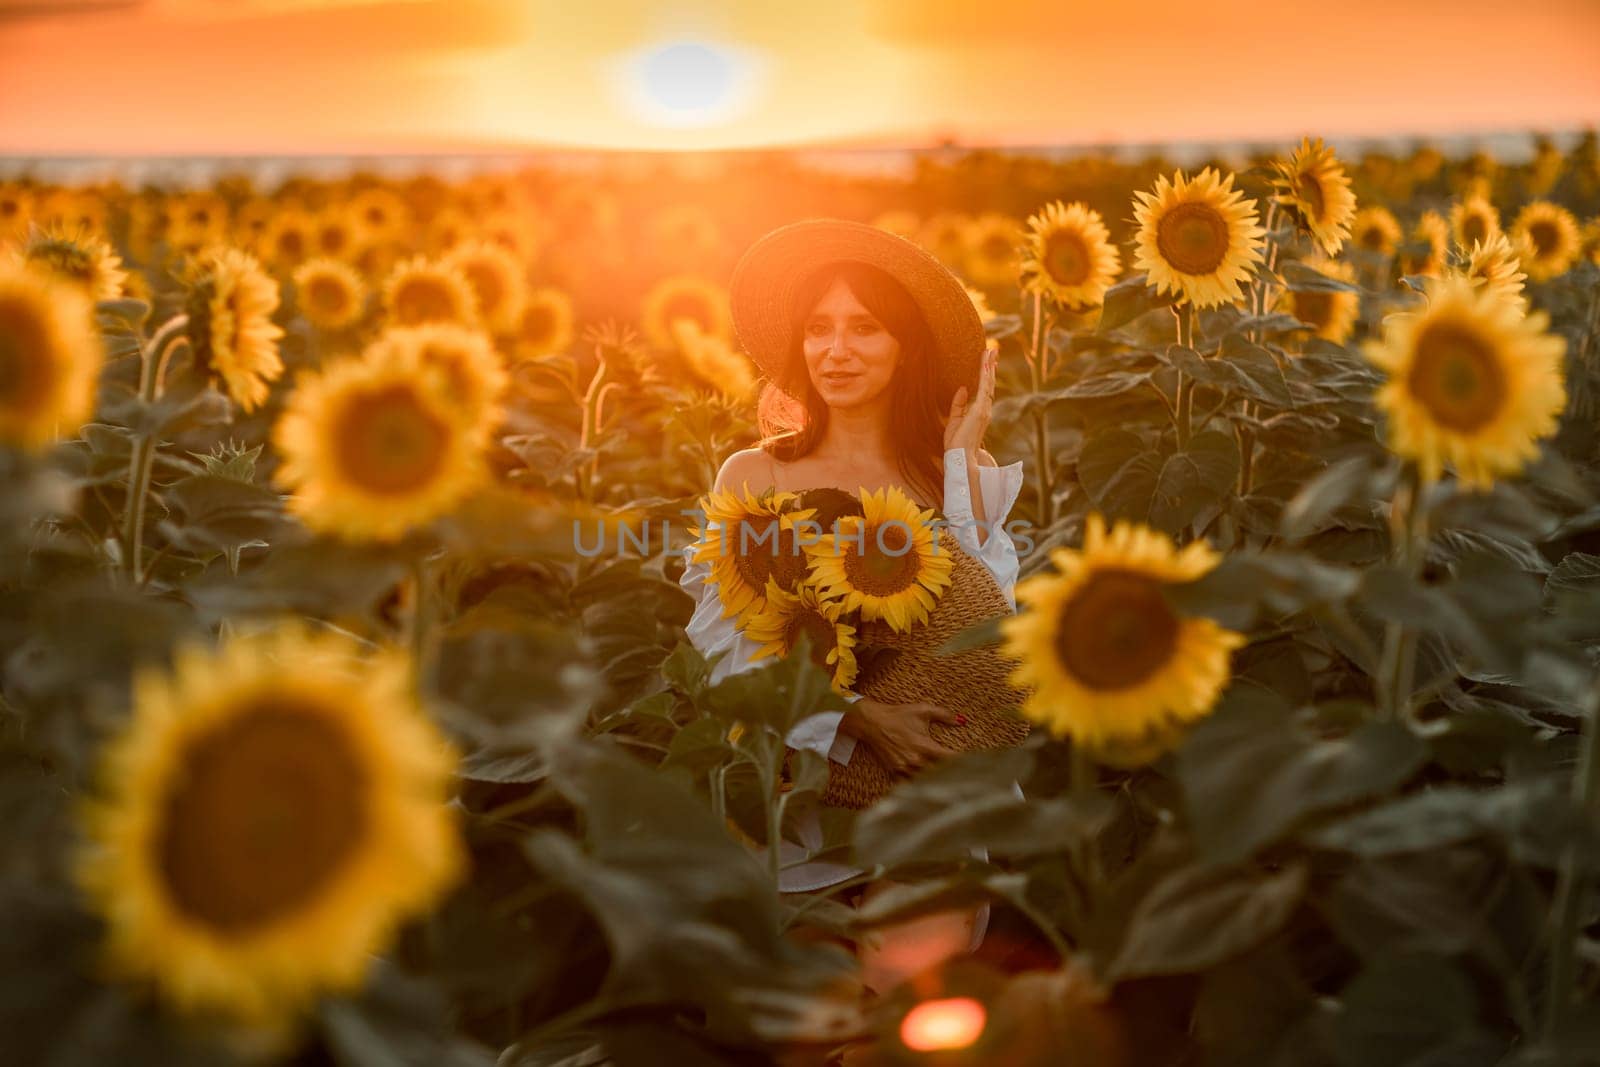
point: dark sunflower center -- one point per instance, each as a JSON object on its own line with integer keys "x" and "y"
{"x": 1309, "y": 190}
{"x": 386, "y": 441}
{"x": 291, "y": 244}
{"x": 1315, "y": 308}
{"x": 26, "y": 372}
{"x": 1193, "y": 238}
{"x": 486, "y": 282}
{"x": 1374, "y": 239}
{"x": 688, "y": 306}
{"x": 328, "y": 296}
{"x": 538, "y": 324}
{"x": 1474, "y": 228}
{"x": 333, "y": 239}
{"x": 1116, "y": 631}
{"x": 1545, "y": 238}
{"x": 819, "y": 629}
{"x": 1456, "y": 376}
{"x": 1066, "y": 259}
{"x": 996, "y": 247}
{"x": 264, "y": 812}
{"x": 768, "y": 550}
{"x": 65, "y": 259}
{"x": 884, "y": 562}
{"x": 422, "y": 300}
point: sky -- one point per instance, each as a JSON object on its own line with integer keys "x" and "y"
{"x": 165, "y": 77}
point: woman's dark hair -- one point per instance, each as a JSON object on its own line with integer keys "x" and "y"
{"x": 792, "y": 416}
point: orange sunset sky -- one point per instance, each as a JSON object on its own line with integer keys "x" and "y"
{"x": 284, "y": 76}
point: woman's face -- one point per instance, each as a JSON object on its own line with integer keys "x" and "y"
{"x": 849, "y": 354}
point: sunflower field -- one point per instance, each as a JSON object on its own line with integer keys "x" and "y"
{"x": 347, "y": 716}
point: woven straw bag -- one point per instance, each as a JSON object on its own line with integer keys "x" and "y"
{"x": 902, "y": 668}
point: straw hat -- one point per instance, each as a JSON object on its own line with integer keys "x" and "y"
{"x": 772, "y": 269}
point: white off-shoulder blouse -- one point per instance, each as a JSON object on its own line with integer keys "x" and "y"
{"x": 711, "y": 633}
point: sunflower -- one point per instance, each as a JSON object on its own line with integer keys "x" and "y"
{"x": 713, "y": 360}
{"x": 49, "y": 357}
{"x": 750, "y": 540}
{"x": 231, "y": 301}
{"x": 1589, "y": 242}
{"x": 497, "y": 280}
{"x": 1312, "y": 184}
{"x": 471, "y": 375}
{"x": 372, "y": 448}
{"x": 1375, "y": 230}
{"x": 1473, "y": 382}
{"x": 1473, "y": 219}
{"x": 250, "y": 222}
{"x": 381, "y": 214}
{"x": 778, "y": 626}
{"x": 992, "y": 250}
{"x": 1432, "y": 240}
{"x": 421, "y": 290}
{"x": 1494, "y": 266}
{"x": 1068, "y": 255}
{"x": 1332, "y": 314}
{"x": 288, "y": 239}
{"x": 1198, "y": 238}
{"x": 887, "y": 562}
{"x": 331, "y": 293}
{"x": 547, "y": 324}
{"x": 16, "y": 208}
{"x": 449, "y": 228}
{"x": 275, "y": 809}
{"x": 685, "y": 296}
{"x": 945, "y": 235}
{"x": 337, "y": 233}
{"x": 1109, "y": 662}
{"x": 79, "y": 258}
{"x": 1547, "y": 235}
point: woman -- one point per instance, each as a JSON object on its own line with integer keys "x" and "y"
{"x": 878, "y": 375}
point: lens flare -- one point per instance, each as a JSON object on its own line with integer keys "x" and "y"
{"x": 935, "y": 1025}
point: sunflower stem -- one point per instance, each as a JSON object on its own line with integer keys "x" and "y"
{"x": 1407, "y": 525}
{"x": 1041, "y": 429}
{"x": 1184, "y": 313}
{"x": 1569, "y": 887}
{"x": 422, "y": 609}
{"x": 153, "y": 359}
{"x": 589, "y": 429}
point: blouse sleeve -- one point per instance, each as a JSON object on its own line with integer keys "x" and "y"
{"x": 711, "y": 633}
{"x": 1000, "y": 487}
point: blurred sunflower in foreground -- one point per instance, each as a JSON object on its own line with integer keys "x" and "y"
{"x": 472, "y": 378}
{"x": 1314, "y": 187}
{"x": 886, "y": 562}
{"x": 273, "y": 811}
{"x": 1068, "y": 255}
{"x": 1198, "y": 238}
{"x": 50, "y": 356}
{"x": 423, "y": 290}
{"x": 1111, "y": 664}
{"x": 778, "y": 626}
{"x": 231, "y": 301}
{"x": 331, "y": 293}
{"x": 1473, "y": 383}
{"x": 685, "y": 296}
{"x": 1332, "y": 313}
{"x": 1546, "y": 234}
{"x": 80, "y": 258}
{"x": 373, "y": 447}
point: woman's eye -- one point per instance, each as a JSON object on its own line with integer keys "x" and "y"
{"x": 816, "y": 329}
{"x": 867, "y": 327}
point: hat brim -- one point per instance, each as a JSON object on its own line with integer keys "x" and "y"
{"x": 764, "y": 283}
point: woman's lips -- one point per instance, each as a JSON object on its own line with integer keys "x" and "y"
{"x": 838, "y": 379}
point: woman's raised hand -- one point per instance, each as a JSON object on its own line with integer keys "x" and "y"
{"x": 969, "y": 416}
{"x": 899, "y": 733}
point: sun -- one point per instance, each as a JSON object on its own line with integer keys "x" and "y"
{"x": 689, "y": 83}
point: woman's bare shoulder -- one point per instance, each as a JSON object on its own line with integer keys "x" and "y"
{"x": 747, "y": 467}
